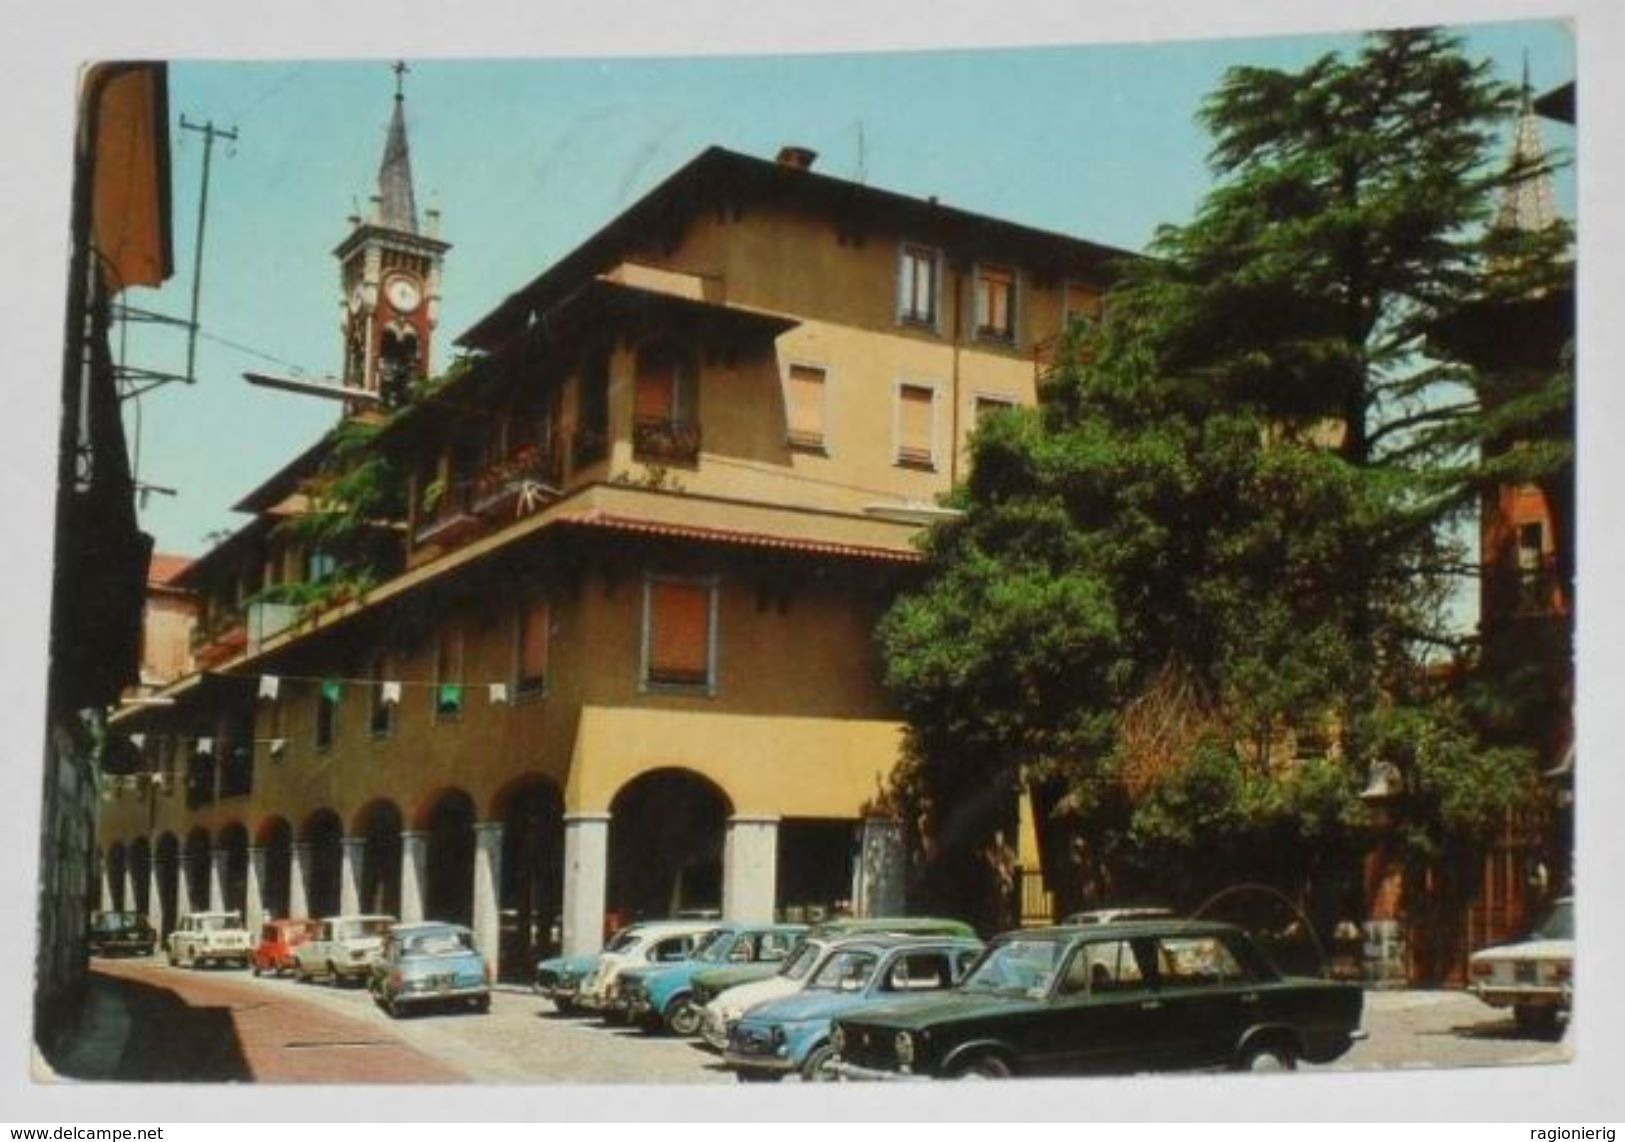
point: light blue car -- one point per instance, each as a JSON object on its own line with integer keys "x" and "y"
{"x": 559, "y": 979}
{"x": 430, "y": 963}
{"x": 789, "y": 1034}
{"x": 663, "y": 994}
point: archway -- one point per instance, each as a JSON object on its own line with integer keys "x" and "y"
{"x": 233, "y": 841}
{"x": 198, "y": 855}
{"x": 666, "y": 834}
{"x": 114, "y": 870}
{"x": 448, "y": 891}
{"x": 275, "y": 836}
{"x": 140, "y": 877}
{"x": 379, "y": 826}
{"x": 323, "y": 832}
{"x": 168, "y": 858}
{"x": 531, "y": 810}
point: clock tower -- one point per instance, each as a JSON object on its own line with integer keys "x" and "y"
{"x": 389, "y": 273}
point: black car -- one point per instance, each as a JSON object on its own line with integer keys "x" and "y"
{"x": 1108, "y": 998}
{"x": 121, "y": 933}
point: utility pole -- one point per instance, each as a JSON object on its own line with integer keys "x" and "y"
{"x": 210, "y": 133}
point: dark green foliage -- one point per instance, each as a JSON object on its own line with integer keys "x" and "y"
{"x": 1228, "y": 530}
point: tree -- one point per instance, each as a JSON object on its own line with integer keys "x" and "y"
{"x": 1228, "y": 531}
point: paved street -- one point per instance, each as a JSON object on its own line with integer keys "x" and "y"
{"x": 151, "y": 1022}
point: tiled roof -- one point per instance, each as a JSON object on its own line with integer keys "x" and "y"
{"x": 163, "y": 567}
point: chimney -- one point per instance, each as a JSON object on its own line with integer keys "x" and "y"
{"x": 797, "y": 158}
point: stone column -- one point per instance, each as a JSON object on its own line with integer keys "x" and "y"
{"x": 106, "y": 878}
{"x": 183, "y": 886}
{"x": 155, "y": 898}
{"x": 352, "y": 850}
{"x": 487, "y": 890}
{"x": 298, "y": 903}
{"x": 254, "y": 891}
{"x": 586, "y": 881}
{"x": 877, "y": 879}
{"x": 217, "y": 880}
{"x": 414, "y": 870}
{"x": 129, "y": 893}
{"x": 750, "y": 868}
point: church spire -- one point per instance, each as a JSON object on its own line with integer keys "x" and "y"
{"x": 1528, "y": 204}
{"x": 397, "y": 206}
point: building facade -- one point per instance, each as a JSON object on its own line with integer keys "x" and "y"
{"x": 615, "y": 657}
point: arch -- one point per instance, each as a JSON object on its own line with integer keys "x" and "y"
{"x": 114, "y": 869}
{"x": 449, "y": 874}
{"x": 199, "y": 851}
{"x": 378, "y": 824}
{"x": 140, "y": 858}
{"x": 323, "y": 832}
{"x": 531, "y": 809}
{"x": 232, "y": 839}
{"x": 681, "y": 817}
{"x": 168, "y": 859}
{"x": 275, "y": 836}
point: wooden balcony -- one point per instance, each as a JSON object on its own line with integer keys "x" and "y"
{"x": 509, "y": 489}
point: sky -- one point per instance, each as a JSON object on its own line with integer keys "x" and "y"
{"x": 526, "y": 158}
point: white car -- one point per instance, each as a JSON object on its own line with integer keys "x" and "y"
{"x": 343, "y": 948}
{"x": 209, "y": 937}
{"x": 1535, "y": 976}
{"x": 655, "y": 942}
{"x": 1119, "y": 915}
{"x": 726, "y": 1009}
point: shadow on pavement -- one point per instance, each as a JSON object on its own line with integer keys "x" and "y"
{"x": 171, "y": 1041}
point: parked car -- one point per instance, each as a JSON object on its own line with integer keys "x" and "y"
{"x": 663, "y": 995}
{"x": 121, "y": 933}
{"x": 786, "y": 1035}
{"x": 712, "y": 982}
{"x": 342, "y": 949}
{"x": 209, "y": 937}
{"x": 559, "y": 979}
{"x": 421, "y": 964}
{"x": 1533, "y": 976}
{"x": 656, "y": 942}
{"x": 1126, "y": 997}
{"x": 279, "y": 940}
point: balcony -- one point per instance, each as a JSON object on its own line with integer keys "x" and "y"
{"x": 587, "y": 447}
{"x": 507, "y": 490}
{"x": 665, "y": 441}
{"x": 223, "y": 639}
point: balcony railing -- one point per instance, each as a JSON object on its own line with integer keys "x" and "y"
{"x": 222, "y": 639}
{"x": 665, "y": 441}
{"x": 516, "y": 486}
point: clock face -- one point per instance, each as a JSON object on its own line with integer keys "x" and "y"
{"x": 403, "y": 294}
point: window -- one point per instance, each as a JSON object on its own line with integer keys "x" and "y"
{"x": 448, "y": 675}
{"x": 382, "y": 721}
{"x": 318, "y": 566}
{"x": 986, "y": 405}
{"x": 327, "y": 710}
{"x": 995, "y": 303}
{"x": 917, "y": 286}
{"x": 530, "y": 634}
{"x": 804, "y": 406}
{"x": 592, "y": 414}
{"x": 1196, "y": 962}
{"x": 665, "y": 403}
{"x": 916, "y": 425}
{"x": 1081, "y": 303}
{"x": 1103, "y": 968}
{"x": 679, "y": 633}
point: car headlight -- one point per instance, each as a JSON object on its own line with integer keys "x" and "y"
{"x": 837, "y": 1040}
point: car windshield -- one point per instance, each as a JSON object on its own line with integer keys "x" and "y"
{"x": 113, "y": 921}
{"x": 845, "y": 971}
{"x": 802, "y": 961}
{"x": 623, "y": 940}
{"x": 716, "y": 946}
{"x": 1558, "y": 924}
{"x": 1016, "y": 967}
{"x": 217, "y": 923}
{"x": 442, "y": 942}
{"x": 360, "y": 929}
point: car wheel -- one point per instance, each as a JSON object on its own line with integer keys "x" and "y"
{"x": 333, "y": 975}
{"x": 256, "y": 969}
{"x": 1535, "y": 1020}
{"x": 482, "y": 1004}
{"x": 396, "y": 1009}
{"x": 983, "y": 1067}
{"x": 816, "y": 1067}
{"x": 683, "y": 1017}
{"x": 747, "y": 1075}
{"x": 1267, "y": 1057}
{"x": 565, "y": 1006}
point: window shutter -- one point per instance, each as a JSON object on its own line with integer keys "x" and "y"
{"x": 533, "y": 624}
{"x": 914, "y": 426}
{"x": 656, "y": 394}
{"x": 806, "y": 404}
{"x": 680, "y": 641}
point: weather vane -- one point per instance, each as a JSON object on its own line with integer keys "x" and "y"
{"x": 400, "y": 69}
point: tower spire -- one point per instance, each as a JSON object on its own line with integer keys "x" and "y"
{"x": 1529, "y": 203}
{"x": 398, "y": 207}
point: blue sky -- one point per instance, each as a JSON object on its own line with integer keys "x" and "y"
{"x": 528, "y": 157}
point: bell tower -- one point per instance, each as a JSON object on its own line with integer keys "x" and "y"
{"x": 389, "y": 275}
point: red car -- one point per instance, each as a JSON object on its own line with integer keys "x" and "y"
{"x": 278, "y": 939}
